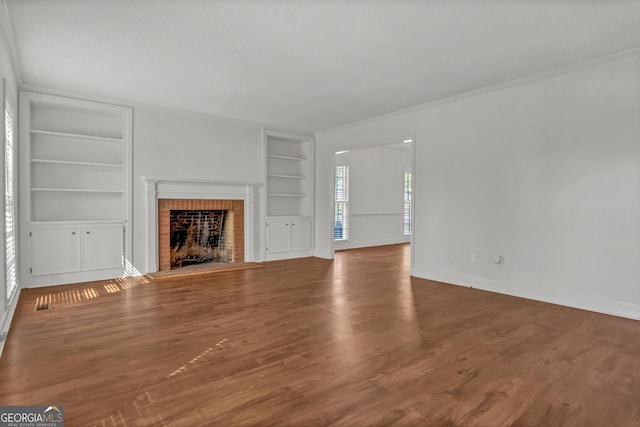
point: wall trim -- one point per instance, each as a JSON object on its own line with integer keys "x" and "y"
{"x": 376, "y": 213}
{"x": 491, "y": 88}
{"x": 9, "y": 41}
{"x": 582, "y": 302}
{"x": 346, "y": 244}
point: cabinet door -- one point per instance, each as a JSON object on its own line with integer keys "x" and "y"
{"x": 278, "y": 236}
{"x": 300, "y": 235}
{"x": 54, "y": 250}
{"x": 103, "y": 247}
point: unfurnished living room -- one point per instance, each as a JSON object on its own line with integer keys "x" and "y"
{"x": 320, "y": 213}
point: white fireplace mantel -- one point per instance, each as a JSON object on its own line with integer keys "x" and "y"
{"x": 181, "y": 188}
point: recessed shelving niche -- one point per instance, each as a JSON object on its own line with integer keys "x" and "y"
{"x": 289, "y": 195}
{"x": 75, "y": 178}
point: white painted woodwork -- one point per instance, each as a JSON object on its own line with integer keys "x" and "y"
{"x": 289, "y": 189}
{"x": 288, "y": 237}
{"x": 300, "y": 235}
{"x": 186, "y": 188}
{"x": 102, "y": 247}
{"x": 75, "y": 158}
{"x": 278, "y": 236}
{"x": 55, "y": 250}
{"x": 58, "y": 249}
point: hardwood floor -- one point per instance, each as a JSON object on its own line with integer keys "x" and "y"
{"x": 312, "y": 342}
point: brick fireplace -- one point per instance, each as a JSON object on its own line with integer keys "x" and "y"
{"x": 234, "y": 209}
{"x": 193, "y": 194}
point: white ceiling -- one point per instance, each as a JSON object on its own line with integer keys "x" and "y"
{"x": 307, "y": 65}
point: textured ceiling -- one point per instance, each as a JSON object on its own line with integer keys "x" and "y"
{"x": 307, "y": 65}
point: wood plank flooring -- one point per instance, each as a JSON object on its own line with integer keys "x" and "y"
{"x": 312, "y": 342}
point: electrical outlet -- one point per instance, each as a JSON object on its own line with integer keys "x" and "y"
{"x": 498, "y": 260}
{"x": 473, "y": 258}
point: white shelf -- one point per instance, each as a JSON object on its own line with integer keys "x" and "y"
{"x": 76, "y": 190}
{"x": 78, "y": 222}
{"x": 284, "y": 195}
{"x": 287, "y": 176}
{"x": 76, "y": 135}
{"x": 273, "y": 156}
{"x": 69, "y": 162}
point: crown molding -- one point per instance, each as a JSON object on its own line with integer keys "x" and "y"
{"x": 492, "y": 88}
{"x": 9, "y": 41}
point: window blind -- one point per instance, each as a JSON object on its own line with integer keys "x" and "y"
{"x": 9, "y": 202}
{"x": 341, "y": 217}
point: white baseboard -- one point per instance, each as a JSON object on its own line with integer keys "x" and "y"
{"x": 354, "y": 245}
{"x": 288, "y": 255}
{"x": 68, "y": 278}
{"x": 6, "y": 320}
{"x": 583, "y": 302}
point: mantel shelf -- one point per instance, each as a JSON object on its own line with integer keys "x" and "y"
{"x": 157, "y": 179}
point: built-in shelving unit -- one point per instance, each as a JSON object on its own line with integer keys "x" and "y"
{"x": 76, "y": 171}
{"x": 289, "y": 194}
{"x": 288, "y": 167}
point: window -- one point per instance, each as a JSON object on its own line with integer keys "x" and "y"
{"x": 407, "y": 202}
{"x": 9, "y": 199}
{"x": 341, "y": 209}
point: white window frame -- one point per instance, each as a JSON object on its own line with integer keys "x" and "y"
{"x": 407, "y": 198}
{"x": 10, "y": 191}
{"x": 341, "y": 203}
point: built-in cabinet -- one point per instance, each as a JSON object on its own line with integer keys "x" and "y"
{"x": 75, "y": 189}
{"x": 288, "y": 235}
{"x": 289, "y": 195}
{"x": 71, "y": 248}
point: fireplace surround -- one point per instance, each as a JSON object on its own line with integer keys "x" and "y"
{"x": 164, "y": 194}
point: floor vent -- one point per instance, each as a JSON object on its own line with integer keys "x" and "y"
{"x": 42, "y": 306}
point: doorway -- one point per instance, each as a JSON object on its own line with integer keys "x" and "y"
{"x": 373, "y": 195}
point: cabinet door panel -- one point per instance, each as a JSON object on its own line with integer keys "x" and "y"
{"x": 55, "y": 250}
{"x": 300, "y": 235}
{"x": 103, "y": 247}
{"x": 278, "y": 236}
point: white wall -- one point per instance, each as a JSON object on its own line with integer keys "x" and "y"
{"x": 545, "y": 173}
{"x": 376, "y": 184}
{"x": 176, "y": 144}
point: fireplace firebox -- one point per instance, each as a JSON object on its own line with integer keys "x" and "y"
{"x": 200, "y": 236}
{"x": 199, "y": 231}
